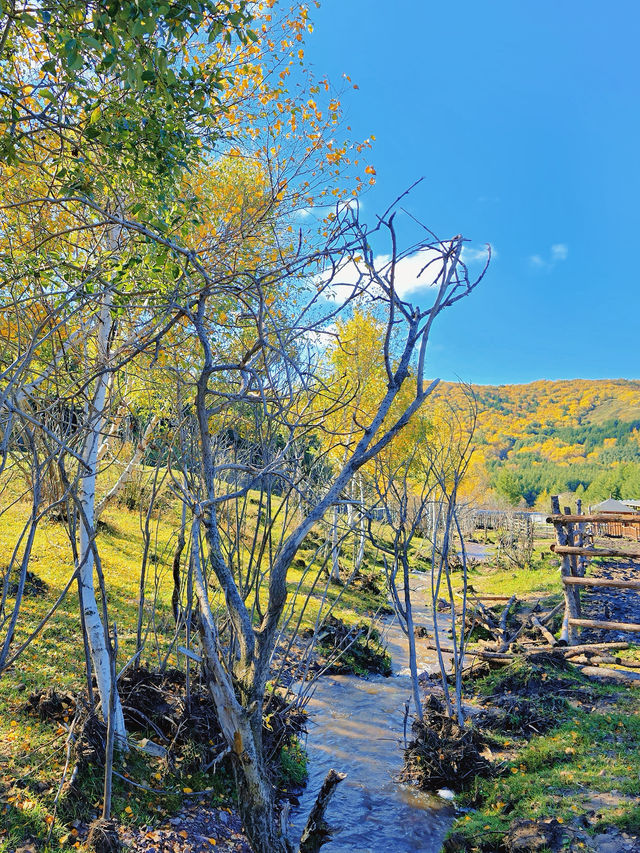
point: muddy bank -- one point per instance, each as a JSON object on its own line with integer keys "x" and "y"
{"x": 612, "y": 605}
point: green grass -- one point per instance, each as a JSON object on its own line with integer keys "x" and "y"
{"x": 32, "y": 751}
{"x": 293, "y": 764}
{"x": 540, "y": 579}
{"x": 558, "y": 774}
{"x": 592, "y": 747}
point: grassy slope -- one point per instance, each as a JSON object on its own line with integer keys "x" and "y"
{"x": 32, "y": 751}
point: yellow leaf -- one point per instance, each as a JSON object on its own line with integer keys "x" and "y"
{"x": 188, "y": 790}
{"x": 95, "y": 115}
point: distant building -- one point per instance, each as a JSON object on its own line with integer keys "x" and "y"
{"x": 615, "y": 507}
{"x": 617, "y": 528}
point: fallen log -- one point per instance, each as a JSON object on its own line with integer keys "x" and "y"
{"x": 581, "y": 551}
{"x": 479, "y": 615}
{"x": 598, "y": 659}
{"x": 503, "y": 642}
{"x": 498, "y": 657}
{"x": 487, "y": 619}
{"x": 614, "y": 584}
{"x": 317, "y": 831}
{"x": 629, "y": 664}
{"x": 602, "y": 659}
{"x": 532, "y": 649}
{"x": 552, "y": 613}
{"x": 615, "y": 674}
{"x": 626, "y": 517}
{"x": 573, "y": 651}
{"x": 609, "y": 626}
{"x": 570, "y": 651}
{"x": 544, "y": 631}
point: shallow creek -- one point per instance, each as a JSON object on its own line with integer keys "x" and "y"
{"x": 356, "y": 727}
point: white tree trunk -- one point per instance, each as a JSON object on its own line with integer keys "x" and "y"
{"x": 335, "y": 546}
{"x": 362, "y": 530}
{"x": 127, "y": 474}
{"x": 95, "y": 411}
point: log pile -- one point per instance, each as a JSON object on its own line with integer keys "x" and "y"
{"x": 527, "y": 634}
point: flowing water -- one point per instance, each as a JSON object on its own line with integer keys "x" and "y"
{"x": 356, "y": 727}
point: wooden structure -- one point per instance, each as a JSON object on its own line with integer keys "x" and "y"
{"x": 574, "y": 538}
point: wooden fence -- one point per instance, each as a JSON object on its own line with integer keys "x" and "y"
{"x": 574, "y": 544}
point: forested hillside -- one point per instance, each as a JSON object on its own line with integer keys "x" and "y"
{"x": 581, "y": 436}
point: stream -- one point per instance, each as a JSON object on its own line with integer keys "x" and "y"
{"x": 356, "y": 727}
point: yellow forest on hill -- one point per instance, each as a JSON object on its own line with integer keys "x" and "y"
{"x": 579, "y": 436}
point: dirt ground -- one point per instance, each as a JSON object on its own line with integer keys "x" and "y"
{"x": 612, "y": 605}
{"x": 195, "y": 829}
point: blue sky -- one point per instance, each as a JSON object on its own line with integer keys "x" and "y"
{"x": 524, "y": 120}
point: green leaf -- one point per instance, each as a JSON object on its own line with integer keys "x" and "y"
{"x": 91, "y": 41}
{"x": 29, "y": 20}
{"x": 95, "y": 115}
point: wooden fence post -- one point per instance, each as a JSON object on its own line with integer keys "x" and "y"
{"x": 573, "y": 559}
{"x": 582, "y": 561}
{"x": 571, "y": 610}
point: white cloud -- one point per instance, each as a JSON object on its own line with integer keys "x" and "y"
{"x": 558, "y": 252}
{"x": 413, "y": 274}
{"x": 320, "y": 338}
{"x": 470, "y": 255}
{"x": 322, "y": 211}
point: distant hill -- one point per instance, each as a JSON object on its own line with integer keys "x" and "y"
{"x": 546, "y": 437}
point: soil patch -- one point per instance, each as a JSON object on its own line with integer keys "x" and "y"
{"x": 611, "y": 605}
{"x": 50, "y": 705}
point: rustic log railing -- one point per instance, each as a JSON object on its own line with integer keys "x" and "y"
{"x": 571, "y": 533}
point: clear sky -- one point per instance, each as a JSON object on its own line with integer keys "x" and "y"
{"x": 524, "y": 119}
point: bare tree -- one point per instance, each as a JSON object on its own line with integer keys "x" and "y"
{"x": 449, "y": 458}
{"x": 263, "y": 370}
{"x": 404, "y": 492}
{"x": 267, "y": 377}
